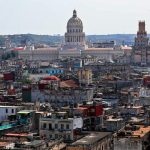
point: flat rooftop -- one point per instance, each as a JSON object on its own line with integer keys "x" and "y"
{"x": 139, "y": 133}
{"x": 114, "y": 119}
{"x": 25, "y": 111}
{"x": 1, "y": 106}
{"x": 142, "y": 131}
{"x": 91, "y": 138}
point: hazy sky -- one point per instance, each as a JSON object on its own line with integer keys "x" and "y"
{"x": 51, "y": 16}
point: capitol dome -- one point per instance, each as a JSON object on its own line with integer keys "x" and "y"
{"x": 74, "y": 37}
{"x": 75, "y": 22}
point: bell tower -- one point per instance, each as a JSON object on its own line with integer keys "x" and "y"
{"x": 141, "y": 43}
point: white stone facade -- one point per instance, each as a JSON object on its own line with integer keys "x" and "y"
{"x": 42, "y": 54}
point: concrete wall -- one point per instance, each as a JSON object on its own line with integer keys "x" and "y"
{"x": 127, "y": 144}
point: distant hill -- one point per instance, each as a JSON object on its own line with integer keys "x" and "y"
{"x": 119, "y": 38}
{"x": 127, "y": 39}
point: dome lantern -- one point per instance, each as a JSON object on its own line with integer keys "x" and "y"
{"x": 74, "y": 13}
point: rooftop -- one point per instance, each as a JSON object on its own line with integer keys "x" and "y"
{"x": 4, "y": 144}
{"x": 68, "y": 84}
{"x": 26, "y": 111}
{"x": 35, "y": 143}
{"x": 139, "y": 131}
{"x": 9, "y": 106}
{"x": 18, "y": 134}
{"x": 47, "y": 49}
{"x": 134, "y": 107}
{"x": 100, "y": 49}
{"x": 114, "y": 119}
{"x": 91, "y": 138}
{"x": 142, "y": 131}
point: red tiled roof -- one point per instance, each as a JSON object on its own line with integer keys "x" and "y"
{"x": 51, "y": 78}
{"x": 18, "y": 134}
{"x": 18, "y": 49}
{"x": 68, "y": 84}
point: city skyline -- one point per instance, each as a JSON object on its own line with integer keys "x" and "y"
{"x": 50, "y": 17}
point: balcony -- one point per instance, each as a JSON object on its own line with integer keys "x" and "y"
{"x": 64, "y": 130}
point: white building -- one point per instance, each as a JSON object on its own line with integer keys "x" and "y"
{"x": 59, "y": 126}
{"x": 41, "y": 54}
{"x": 69, "y": 53}
{"x": 6, "y": 111}
{"x": 114, "y": 124}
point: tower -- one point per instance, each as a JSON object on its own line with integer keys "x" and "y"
{"x": 141, "y": 45}
{"x": 85, "y": 76}
{"x": 141, "y": 39}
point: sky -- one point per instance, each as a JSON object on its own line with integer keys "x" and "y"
{"x": 51, "y": 16}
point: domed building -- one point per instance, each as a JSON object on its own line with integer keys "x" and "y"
{"x": 74, "y": 37}
{"x": 74, "y": 46}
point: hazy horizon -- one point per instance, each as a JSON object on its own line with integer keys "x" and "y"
{"x": 49, "y": 17}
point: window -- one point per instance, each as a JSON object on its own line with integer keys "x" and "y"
{"x": 50, "y": 126}
{"x": 60, "y": 136}
{"x": 56, "y": 136}
{"x": 6, "y": 110}
{"x": 64, "y": 136}
{"x": 50, "y": 136}
{"x": 67, "y": 126}
{"x": 44, "y": 125}
{"x": 93, "y": 110}
{"x": 68, "y": 137}
{"x": 62, "y": 126}
{"x": 12, "y": 110}
{"x": 56, "y": 126}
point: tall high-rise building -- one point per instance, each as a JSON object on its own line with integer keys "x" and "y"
{"x": 141, "y": 49}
